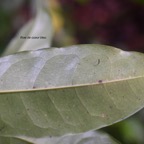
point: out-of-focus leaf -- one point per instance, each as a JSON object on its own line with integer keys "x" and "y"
{"x": 9, "y": 6}
{"x": 57, "y": 91}
{"x": 139, "y": 1}
{"x": 132, "y": 131}
{"x": 39, "y": 31}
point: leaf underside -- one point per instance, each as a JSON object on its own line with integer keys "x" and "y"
{"x": 56, "y": 91}
{"x": 91, "y": 137}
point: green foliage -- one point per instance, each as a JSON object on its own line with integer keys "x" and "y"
{"x": 48, "y": 96}
{"x": 58, "y": 91}
{"x": 139, "y": 1}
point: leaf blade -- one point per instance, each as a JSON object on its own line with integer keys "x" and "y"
{"x": 88, "y": 137}
{"x": 57, "y": 98}
{"x": 36, "y": 34}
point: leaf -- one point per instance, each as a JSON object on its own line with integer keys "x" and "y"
{"x": 7, "y": 140}
{"x": 91, "y": 137}
{"x": 57, "y": 91}
{"x": 39, "y": 27}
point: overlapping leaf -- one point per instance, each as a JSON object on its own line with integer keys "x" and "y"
{"x": 90, "y": 137}
{"x": 36, "y": 34}
{"x": 68, "y": 90}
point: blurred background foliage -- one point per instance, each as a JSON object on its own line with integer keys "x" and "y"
{"x": 117, "y": 23}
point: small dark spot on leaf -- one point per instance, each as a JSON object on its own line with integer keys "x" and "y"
{"x": 110, "y": 107}
{"x": 139, "y": 99}
{"x": 98, "y": 61}
{"x": 100, "y": 81}
{"x": 2, "y": 128}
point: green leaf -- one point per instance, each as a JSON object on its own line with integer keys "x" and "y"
{"x": 68, "y": 90}
{"x": 39, "y": 31}
{"x": 90, "y": 137}
{"x": 9, "y": 140}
